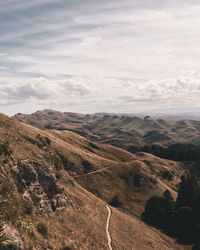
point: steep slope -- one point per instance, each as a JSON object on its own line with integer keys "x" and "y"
{"x": 39, "y": 175}
{"x": 131, "y": 184}
{"x": 139, "y": 177}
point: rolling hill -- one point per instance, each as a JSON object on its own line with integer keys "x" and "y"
{"x": 57, "y": 187}
{"x": 131, "y": 133}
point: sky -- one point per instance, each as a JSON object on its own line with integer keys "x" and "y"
{"x": 92, "y": 56}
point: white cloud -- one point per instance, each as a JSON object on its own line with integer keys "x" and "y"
{"x": 3, "y": 54}
{"x": 114, "y": 52}
{"x": 86, "y": 94}
{"x": 42, "y": 89}
{"x": 3, "y": 68}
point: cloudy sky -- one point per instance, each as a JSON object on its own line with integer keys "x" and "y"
{"x": 99, "y": 55}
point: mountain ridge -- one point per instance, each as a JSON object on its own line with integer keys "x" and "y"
{"x": 131, "y": 133}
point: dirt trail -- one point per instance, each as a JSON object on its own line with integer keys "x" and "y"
{"x": 107, "y": 228}
{"x": 97, "y": 171}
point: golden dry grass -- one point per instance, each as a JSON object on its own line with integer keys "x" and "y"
{"x": 82, "y": 224}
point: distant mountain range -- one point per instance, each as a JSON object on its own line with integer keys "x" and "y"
{"x": 132, "y": 133}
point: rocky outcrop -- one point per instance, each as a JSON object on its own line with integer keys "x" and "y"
{"x": 36, "y": 182}
{"x": 41, "y": 186}
{"x": 27, "y": 188}
{"x": 10, "y": 238}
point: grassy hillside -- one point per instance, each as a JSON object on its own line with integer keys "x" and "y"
{"x": 49, "y": 175}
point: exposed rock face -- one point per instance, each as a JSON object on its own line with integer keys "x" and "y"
{"x": 37, "y": 182}
{"x": 9, "y": 238}
{"x": 33, "y": 183}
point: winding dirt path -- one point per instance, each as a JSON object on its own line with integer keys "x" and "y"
{"x": 107, "y": 228}
{"x": 97, "y": 171}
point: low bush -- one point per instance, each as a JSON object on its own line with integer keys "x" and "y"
{"x": 42, "y": 229}
{"x": 5, "y": 148}
{"x": 115, "y": 201}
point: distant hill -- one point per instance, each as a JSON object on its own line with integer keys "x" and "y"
{"x": 129, "y": 132}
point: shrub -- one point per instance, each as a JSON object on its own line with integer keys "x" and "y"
{"x": 138, "y": 180}
{"x": 5, "y": 148}
{"x": 28, "y": 206}
{"x": 2, "y": 123}
{"x": 115, "y": 201}
{"x": 167, "y": 175}
{"x": 42, "y": 229}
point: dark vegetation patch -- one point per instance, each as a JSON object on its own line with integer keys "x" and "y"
{"x": 180, "y": 218}
{"x": 5, "y": 148}
{"x": 177, "y": 152}
{"x": 42, "y": 229}
{"x": 116, "y": 201}
{"x": 166, "y": 175}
